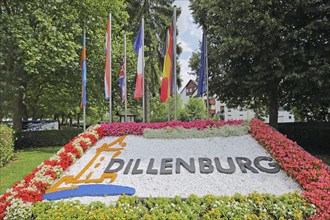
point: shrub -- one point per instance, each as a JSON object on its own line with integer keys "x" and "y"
{"x": 6, "y": 144}
{"x": 45, "y": 138}
{"x": 179, "y": 132}
{"x": 253, "y": 206}
{"x": 194, "y": 109}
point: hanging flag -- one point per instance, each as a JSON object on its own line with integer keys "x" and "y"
{"x": 83, "y": 71}
{"x": 107, "y": 81}
{"x": 122, "y": 79}
{"x": 165, "y": 90}
{"x": 138, "y": 49}
{"x": 201, "y": 89}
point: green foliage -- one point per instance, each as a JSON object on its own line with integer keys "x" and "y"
{"x": 224, "y": 131}
{"x": 265, "y": 54}
{"x": 194, "y": 109}
{"x": 45, "y": 138}
{"x": 39, "y": 56}
{"x": 253, "y": 206}
{"x": 6, "y": 144}
{"x": 24, "y": 162}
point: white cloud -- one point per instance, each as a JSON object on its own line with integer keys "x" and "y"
{"x": 185, "y": 45}
{"x": 184, "y": 72}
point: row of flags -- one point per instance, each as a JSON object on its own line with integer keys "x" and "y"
{"x": 168, "y": 84}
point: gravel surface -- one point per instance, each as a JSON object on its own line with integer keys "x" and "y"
{"x": 185, "y": 183}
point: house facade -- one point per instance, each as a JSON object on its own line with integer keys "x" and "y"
{"x": 225, "y": 113}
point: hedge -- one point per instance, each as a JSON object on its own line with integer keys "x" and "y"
{"x": 6, "y": 144}
{"x": 312, "y": 136}
{"x": 45, "y": 138}
{"x": 254, "y": 206}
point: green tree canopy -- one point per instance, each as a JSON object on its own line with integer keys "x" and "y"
{"x": 39, "y": 55}
{"x": 268, "y": 54}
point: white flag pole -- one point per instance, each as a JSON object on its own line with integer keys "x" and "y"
{"x": 143, "y": 75}
{"x": 125, "y": 87}
{"x": 207, "y": 74}
{"x": 174, "y": 65}
{"x": 109, "y": 45}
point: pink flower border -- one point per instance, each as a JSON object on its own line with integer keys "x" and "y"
{"x": 310, "y": 172}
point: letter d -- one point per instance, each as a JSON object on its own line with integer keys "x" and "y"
{"x": 112, "y": 162}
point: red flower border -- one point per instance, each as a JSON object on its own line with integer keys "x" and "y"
{"x": 310, "y": 172}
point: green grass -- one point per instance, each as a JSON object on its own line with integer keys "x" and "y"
{"x": 23, "y": 163}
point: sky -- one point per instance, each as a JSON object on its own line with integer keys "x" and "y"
{"x": 189, "y": 36}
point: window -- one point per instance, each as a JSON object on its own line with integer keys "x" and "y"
{"x": 222, "y": 109}
{"x": 229, "y": 110}
{"x": 290, "y": 116}
{"x": 241, "y": 115}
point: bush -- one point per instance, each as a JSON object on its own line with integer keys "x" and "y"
{"x": 178, "y": 132}
{"x": 6, "y": 144}
{"x": 194, "y": 109}
{"x": 45, "y": 138}
{"x": 253, "y": 206}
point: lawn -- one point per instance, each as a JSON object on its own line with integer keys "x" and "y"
{"x": 23, "y": 163}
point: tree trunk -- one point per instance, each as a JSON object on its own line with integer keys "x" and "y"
{"x": 25, "y": 113}
{"x": 18, "y": 111}
{"x": 78, "y": 120}
{"x": 70, "y": 121}
{"x": 273, "y": 106}
{"x": 63, "y": 119}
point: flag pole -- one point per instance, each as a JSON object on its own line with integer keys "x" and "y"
{"x": 143, "y": 75}
{"x": 207, "y": 74}
{"x": 125, "y": 87}
{"x": 84, "y": 85}
{"x": 110, "y": 93}
{"x": 174, "y": 65}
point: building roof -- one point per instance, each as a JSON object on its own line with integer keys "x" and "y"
{"x": 193, "y": 81}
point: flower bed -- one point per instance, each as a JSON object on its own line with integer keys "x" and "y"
{"x": 310, "y": 172}
{"x": 118, "y": 129}
{"x": 16, "y": 202}
{"x": 254, "y": 206}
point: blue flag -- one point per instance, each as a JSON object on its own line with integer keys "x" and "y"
{"x": 201, "y": 89}
{"x": 83, "y": 71}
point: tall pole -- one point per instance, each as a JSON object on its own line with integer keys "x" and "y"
{"x": 143, "y": 75}
{"x": 174, "y": 65}
{"x": 125, "y": 87}
{"x": 207, "y": 74}
{"x": 109, "y": 45}
{"x": 84, "y": 83}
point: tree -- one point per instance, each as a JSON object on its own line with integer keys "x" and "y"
{"x": 39, "y": 55}
{"x": 258, "y": 51}
{"x": 193, "y": 110}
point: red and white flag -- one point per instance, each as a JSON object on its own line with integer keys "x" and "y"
{"x": 139, "y": 78}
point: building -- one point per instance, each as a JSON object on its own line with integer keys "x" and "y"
{"x": 219, "y": 108}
